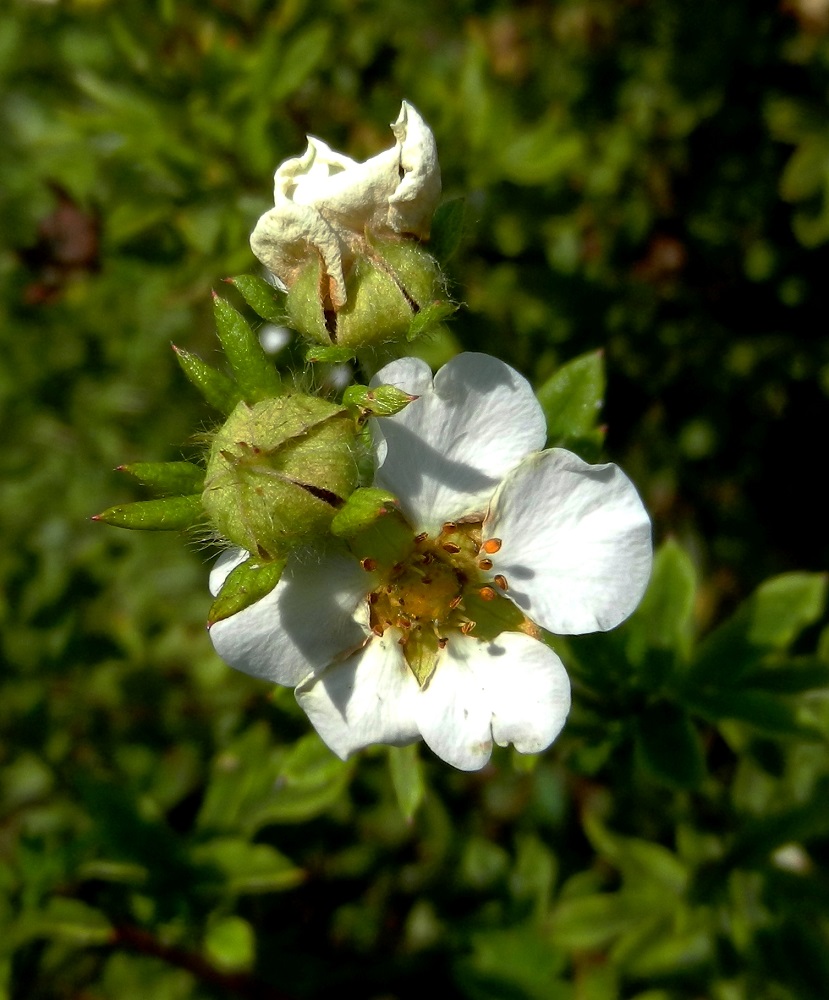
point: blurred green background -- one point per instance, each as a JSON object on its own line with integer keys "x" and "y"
{"x": 649, "y": 178}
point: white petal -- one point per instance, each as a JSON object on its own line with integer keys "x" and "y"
{"x": 301, "y": 626}
{"x": 576, "y": 542}
{"x": 454, "y": 713}
{"x": 416, "y": 197}
{"x": 364, "y": 700}
{"x": 446, "y": 452}
{"x": 527, "y": 689}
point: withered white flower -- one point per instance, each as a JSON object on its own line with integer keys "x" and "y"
{"x": 507, "y": 539}
{"x": 325, "y": 203}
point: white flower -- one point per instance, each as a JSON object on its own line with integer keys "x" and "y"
{"x": 325, "y": 203}
{"x": 390, "y": 658}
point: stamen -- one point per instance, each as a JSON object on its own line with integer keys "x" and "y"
{"x": 448, "y": 528}
{"x": 467, "y": 627}
{"x": 484, "y": 564}
{"x": 456, "y": 602}
{"x": 492, "y": 545}
{"x": 501, "y": 581}
{"x": 442, "y": 643}
{"x": 421, "y": 537}
{"x": 487, "y": 594}
{"x": 368, "y": 564}
{"x": 452, "y": 547}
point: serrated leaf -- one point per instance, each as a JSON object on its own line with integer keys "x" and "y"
{"x": 255, "y": 374}
{"x": 218, "y": 390}
{"x": 167, "y": 514}
{"x": 447, "y": 229}
{"x": 265, "y": 300}
{"x": 407, "y": 778}
{"x": 246, "y": 584}
{"x": 167, "y": 478}
{"x": 572, "y": 399}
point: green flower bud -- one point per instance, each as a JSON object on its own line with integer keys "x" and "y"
{"x": 386, "y": 288}
{"x": 278, "y": 471}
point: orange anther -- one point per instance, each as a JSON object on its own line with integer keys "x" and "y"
{"x": 491, "y": 545}
{"x": 501, "y": 581}
{"x": 487, "y": 594}
{"x": 452, "y": 547}
{"x": 485, "y": 563}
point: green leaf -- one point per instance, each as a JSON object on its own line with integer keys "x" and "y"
{"x": 230, "y": 944}
{"x": 249, "y": 868}
{"x": 68, "y": 920}
{"x": 770, "y": 620}
{"x": 167, "y": 478}
{"x": 669, "y": 746}
{"x": 298, "y": 60}
{"x": 572, "y": 399}
{"x": 768, "y": 714}
{"x": 447, "y": 229}
{"x": 256, "y": 376}
{"x": 261, "y": 296}
{"x": 407, "y": 778}
{"x": 246, "y": 584}
{"x": 218, "y": 390}
{"x": 167, "y": 514}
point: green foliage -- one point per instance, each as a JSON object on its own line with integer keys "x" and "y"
{"x": 645, "y": 229}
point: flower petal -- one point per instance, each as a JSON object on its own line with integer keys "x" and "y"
{"x": 416, "y": 197}
{"x": 446, "y": 452}
{"x": 311, "y": 616}
{"x": 364, "y": 700}
{"x": 527, "y": 689}
{"x": 453, "y": 712}
{"x": 576, "y": 542}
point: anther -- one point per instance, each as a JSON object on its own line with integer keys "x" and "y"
{"x": 378, "y": 629}
{"x": 452, "y": 547}
{"x": 487, "y": 594}
{"x": 422, "y": 536}
{"x": 442, "y": 643}
{"x": 501, "y": 581}
{"x": 492, "y": 545}
{"x": 448, "y": 527}
{"x": 427, "y": 558}
{"x": 467, "y": 627}
{"x": 456, "y": 602}
{"x": 368, "y": 564}
{"x": 485, "y": 564}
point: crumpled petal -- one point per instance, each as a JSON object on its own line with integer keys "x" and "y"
{"x": 368, "y": 698}
{"x": 444, "y": 454}
{"x": 317, "y": 611}
{"x": 325, "y": 202}
{"x": 576, "y": 542}
{"x": 512, "y": 689}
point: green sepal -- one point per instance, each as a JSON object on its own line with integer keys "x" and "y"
{"x": 330, "y": 355}
{"x": 361, "y": 510}
{"x": 167, "y": 478}
{"x": 219, "y": 391}
{"x": 571, "y": 400}
{"x": 167, "y": 514}
{"x": 428, "y": 317}
{"x": 447, "y": 229}
{"x": 407, "y": 780}
{"x": 257, "y": 377}
{"x": 421, "y": 654}
{"x": 381, "y": 401}
{"x": 248, "y": 583}
{"x": 265, "y": 300}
